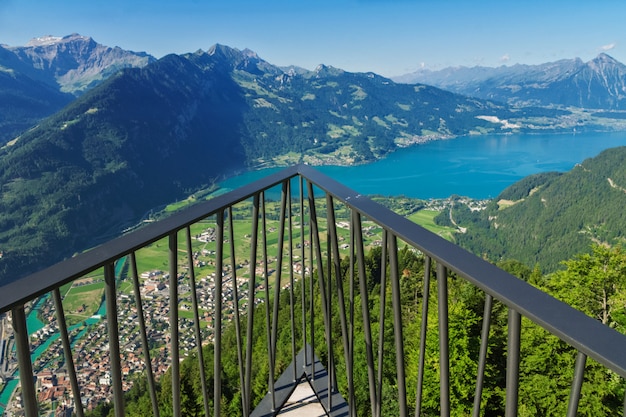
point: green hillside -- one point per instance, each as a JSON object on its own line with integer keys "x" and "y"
{"x": 548, "y": 218}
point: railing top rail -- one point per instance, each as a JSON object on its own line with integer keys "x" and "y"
{"x": 32, "y": 286}
{"x": 591, "y": 337}
{"x": 586, "y": 334}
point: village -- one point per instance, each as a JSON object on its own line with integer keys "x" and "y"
{"x": 90, "y": 343}
{"x": 90, "y": 340}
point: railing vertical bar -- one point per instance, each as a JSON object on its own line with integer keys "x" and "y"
{"x": 482, "y": 356}
{"x": 174, "y": 343}
{"x": 444, "y": 352}
{"x": 22, "y": 344}
{"x": 292, "y": 300}
{"x": 144, "y": 336}
{"x": 352, "y": 395}
{"x": 381, "y": 321}
{"x": 329, "y": 280}
{"x": 367, "y": 331}
{"x": 196, "y": 324}
{"x": 577, "y": 384}
{"x": 279, "y": 265}
{"x": 67, "y": 351}
{"x": 268, "y": 323}
{"x": 512, "y": 363}
{"x": 320, "y": 268}
{"x": 334, "y": 241}
{"x": 251, "y": 299}
{"x": 423, "y": 331}
{"x": 114, "y": 340}
{"x": 397, "y": 323}
{"x": 312, "y": 298}
{"x": 303, "y": 268}
{"x": 217, "y": 325}
{"x": 233, "y": 261}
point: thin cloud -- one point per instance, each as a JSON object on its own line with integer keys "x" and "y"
{"x": 608, "y": 47}
{"x": 505, "y": 58}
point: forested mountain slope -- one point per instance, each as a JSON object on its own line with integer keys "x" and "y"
{"x": 548, "y": 218}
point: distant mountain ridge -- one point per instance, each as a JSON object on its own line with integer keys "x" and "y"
{"x": 74, "y": 63}
{"x": 40, "y": 78}
{"x": 597, "y": 84}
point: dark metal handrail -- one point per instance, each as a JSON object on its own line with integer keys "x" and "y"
{"x": 28, "y": 288}
{"x": 588, "y": 336}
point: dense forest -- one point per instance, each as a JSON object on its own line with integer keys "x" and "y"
{"x": 548, "y": 217}
{"x": 591, "y": 282}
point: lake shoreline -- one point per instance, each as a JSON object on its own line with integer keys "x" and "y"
{"x": 475, "y": 166}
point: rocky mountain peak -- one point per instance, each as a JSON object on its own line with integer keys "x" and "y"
{"x": 49, "y": 40}
{"x": 605, "y": 58}
{"x": 250, "y": 54}
{"x": 44, "y": 41}
{"x": 223, "y": 51}
{"x": 246, "y": 60}
{"x": 323, "y": 70}
{"x": 597, "y": 84}
{"x": 604, "y": 63}
{"x": 74, "y": 63}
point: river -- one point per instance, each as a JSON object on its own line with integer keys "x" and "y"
{"x": 474, "y": 166}
{"x": 34, "y": 324}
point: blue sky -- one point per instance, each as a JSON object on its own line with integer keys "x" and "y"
{"x": 392, "y": 37}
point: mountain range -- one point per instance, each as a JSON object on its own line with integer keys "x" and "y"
{"x": 148, "y": 136}
{"x": 158, "y": 130}
{"x": 42, "y": 77}
{"x": 597, "y": 84}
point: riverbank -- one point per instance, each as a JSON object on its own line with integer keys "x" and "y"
{"x": 42, "y": 345}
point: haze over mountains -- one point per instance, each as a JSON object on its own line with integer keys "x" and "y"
{"x": 597, "y": 84}
{"x": 157, "y": 130}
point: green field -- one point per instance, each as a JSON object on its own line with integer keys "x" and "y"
{"x": 425, "y": 218}
{"x": 82, "y": 301}
{"x": 154, "y": 257}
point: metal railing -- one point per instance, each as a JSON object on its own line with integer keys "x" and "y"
{"x": 303, "y": 244}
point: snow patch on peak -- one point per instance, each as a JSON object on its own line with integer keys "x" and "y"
{"x": 44, "y": 40}
{"x": 49, "y": 40}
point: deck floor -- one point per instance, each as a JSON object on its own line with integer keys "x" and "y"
{"x": 303, "y": 402}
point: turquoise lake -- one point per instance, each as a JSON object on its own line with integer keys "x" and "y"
{"x": 473, "y": 166}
